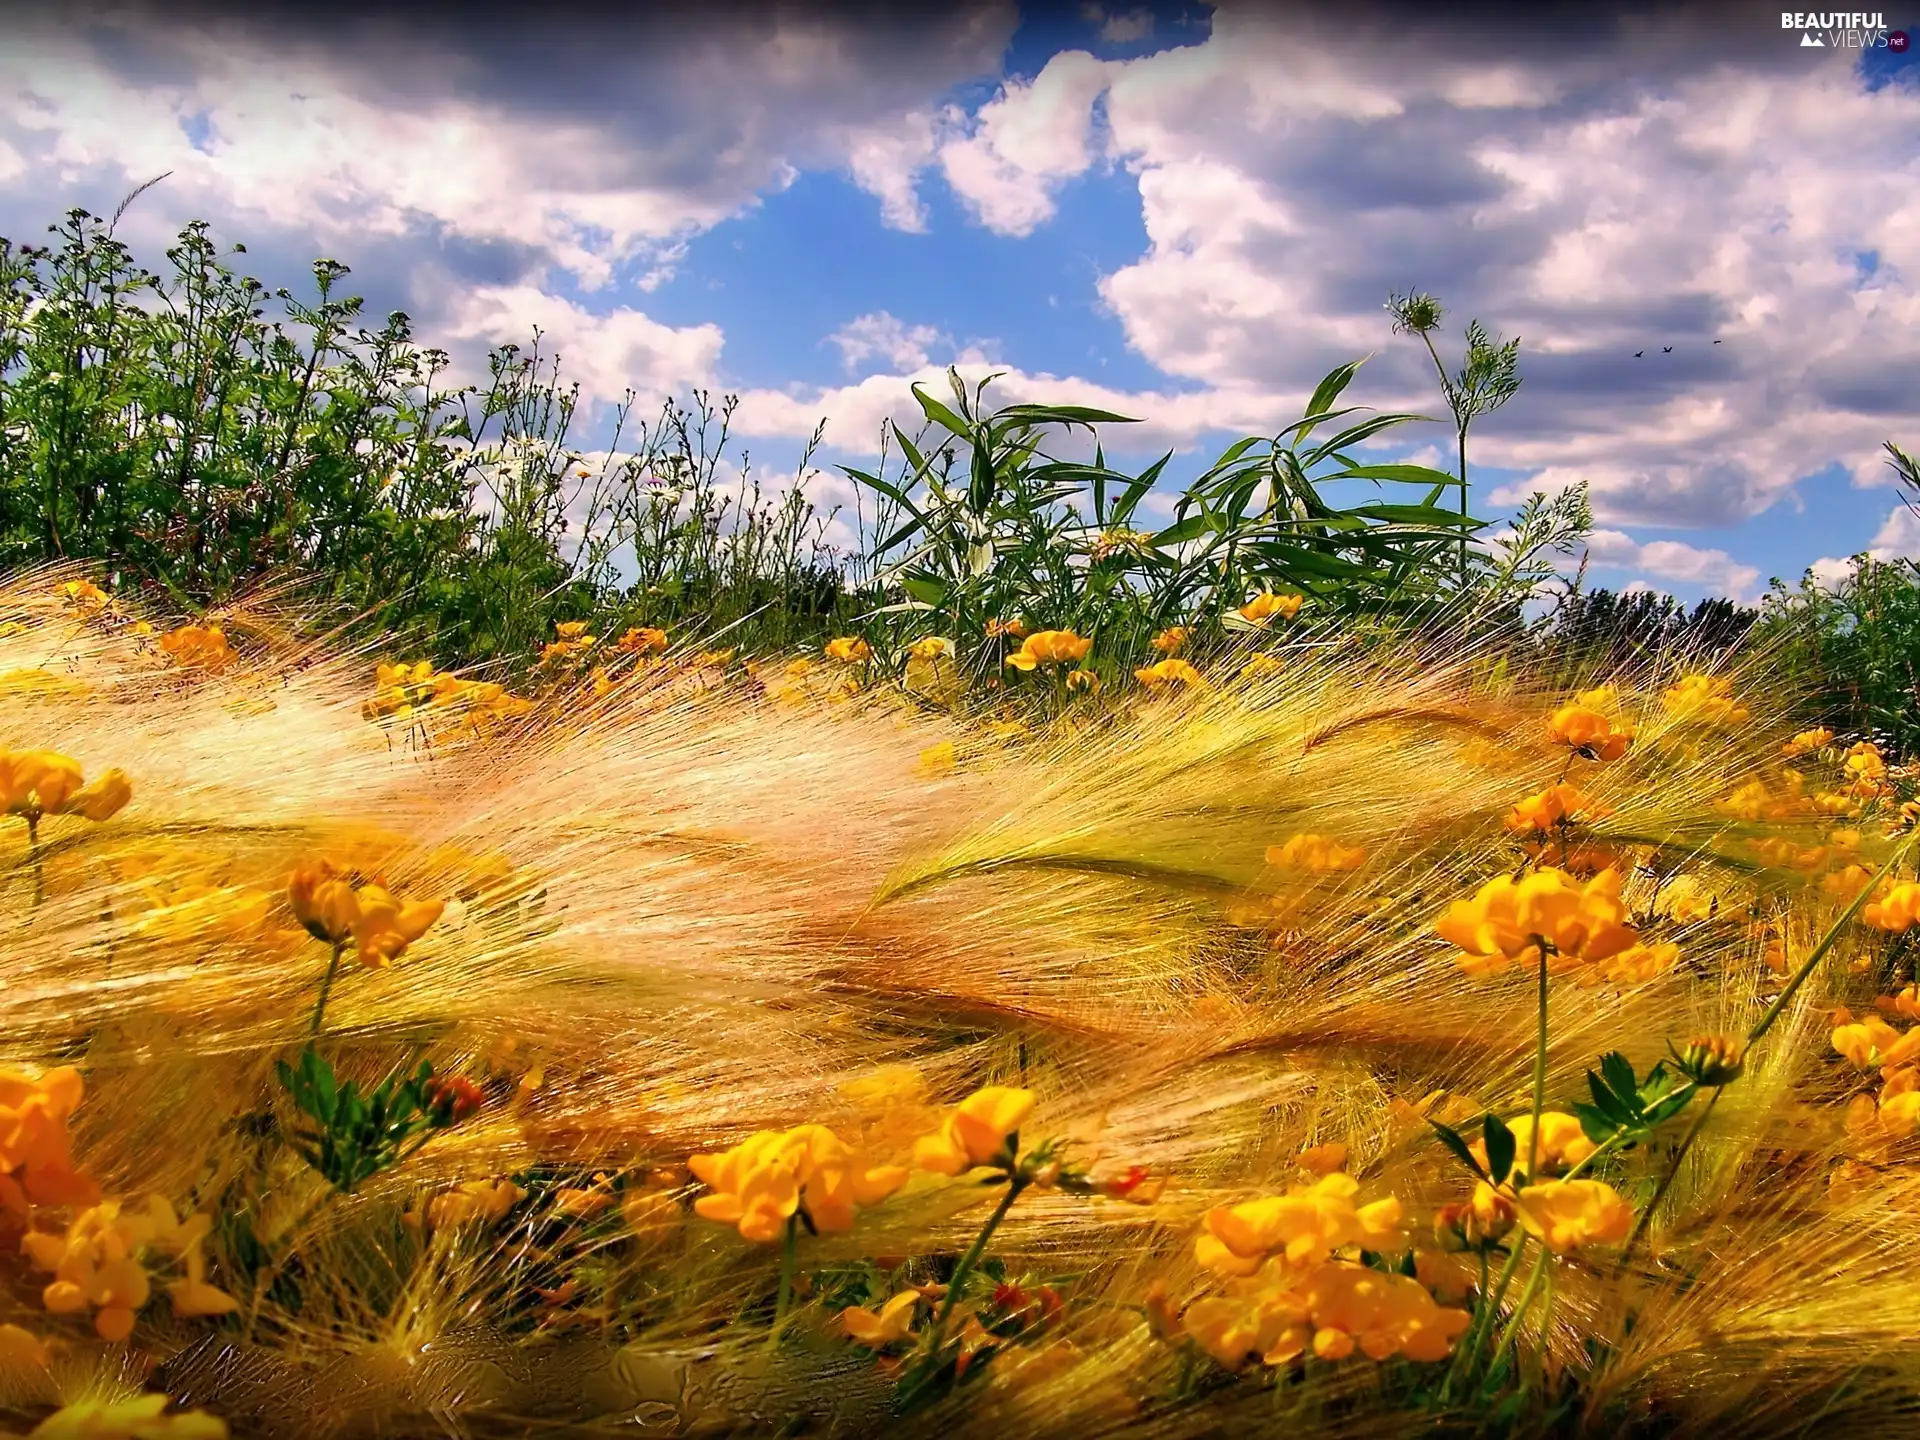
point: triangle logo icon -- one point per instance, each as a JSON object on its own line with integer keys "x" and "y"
{"x": 1813, "y": 42}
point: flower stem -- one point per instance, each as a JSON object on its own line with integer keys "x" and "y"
{"x": 1539, "y": 1067}
{"x": 956, "y": 1286}
{"x": 1465, "y": 1352}
{"x": 326, "y": 988}
{"x": 1666, "y": 1180}
{"x": 1512, "y": 1331}
{"x": 788, "y": 1249}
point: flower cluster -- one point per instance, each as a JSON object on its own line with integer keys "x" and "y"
{"x": 849, "y": 649}
{"x": 97, "y": 1264}
{"x": 1510, "y": 920}
{"x": 771, "y": 1177}
{"x": 1330, "y": 1310}
{"x": 1261, "y": 609}
{"x": 332, "y": 909}
{"x": 403, "y": 692}
{"x": 980, "y": 1131}
{"x": 1705, "y": 699}
{"x": 1895, "y": 908}
{"x": 570, "y": 640}
{"x": 198, "y": 647}
{"x": 1315, "y": 852}
{"x": 36, "y": 1159}
{"x": 1556, "y": 805}
{"x": 1169, "y": 673}
{"x": 1305, "y": 1225}
{"x": 1584, "y": 728}
{"x": 642, "y": 640}
{"x": 1050, "y": 647}
{"x": 37, "y": 783}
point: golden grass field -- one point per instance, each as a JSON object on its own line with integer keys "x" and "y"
{"x": 686, "y": 903}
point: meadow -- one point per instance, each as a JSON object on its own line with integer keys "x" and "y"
{"x": 510, "y": 938}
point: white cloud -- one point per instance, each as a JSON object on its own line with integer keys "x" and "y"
{"x": 1025, "y": 142}
{"x": 887, "y": 164}
{"x": 902, "y": 346}
{"x": 1128, "y": 28}
{"x": 1713, "y": 570}
{"x": 608, "y": 354}
{"x": 1897, "y": 539}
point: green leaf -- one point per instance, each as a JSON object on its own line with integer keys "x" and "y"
{"x": 1182, "y": 531}
{"x": 1451, "y": 1139}
{"x": 1596, "y": 1126}
{"x": 1404, "y": 474}
{"x": 1618, "y": 1073}
{"x": 925, "y": 589}
{"x": 1328, "y": 390}
{"x": 939, "y": 414}
{"x": 1501, "y": 1145}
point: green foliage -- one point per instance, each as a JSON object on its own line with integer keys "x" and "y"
{"x": 1855, "y": 648}
{"x": 1626, "y": 1106}
{"x": 353, "y": 1136}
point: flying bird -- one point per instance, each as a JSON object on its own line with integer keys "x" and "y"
{"x": 1716, "y": 342}
{"x": 1638, "y": 353}
{"x": 1666, "y": 349}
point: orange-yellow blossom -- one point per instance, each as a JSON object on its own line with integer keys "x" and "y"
{"x": 1173, "y": 639}
{"x": 977, "y": 1132}
{"x": 36, "y": 1160}
{"x": 1563, "y": 1143}
{"x": 198, "y": 647}
{"x": 1706, "y": 698}
{"x": 140, "y": 1417}
{"x": 1306, "y": 1224}
{"x": 849, "y": 649}
{"x": 1169, "y": 672}
{"x": 1506, "y": 920}
{"x": 772, "y": 1175}
{"x": 1588, "y": 732}
{"x": 34, "y": 783}
{"x": 1573, "y": 1214}
{"x": 1315, "y": 852}
{"x": 876, "y": 1329}
{"x": 1895, "y": 909}
{"x": 1050, "y": 647}
{"x": 1553, "y": 805}
{"x": 1264, "y": 606}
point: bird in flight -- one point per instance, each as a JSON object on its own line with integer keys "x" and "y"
{"x": 1638, "y": 353}
{"x": 1716, "y": 342}
{"x": 1666, "y": 349}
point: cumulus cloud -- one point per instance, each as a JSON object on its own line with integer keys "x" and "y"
{"x": 1025, "y": 142}
{"x": 1898, "y": 539}
{"x": 1712, "y": 570}
{"x": 902, "y": 346}
{"x": 1657, "y": 179}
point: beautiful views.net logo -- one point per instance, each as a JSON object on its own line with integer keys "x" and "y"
{"x": 1843, "y": 30}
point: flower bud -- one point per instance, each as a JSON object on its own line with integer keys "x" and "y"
{"x": 1713, "y": 1060}
{"x": 1476, "y": 1223}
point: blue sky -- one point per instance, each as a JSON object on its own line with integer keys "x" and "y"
{"x": 1181, "y": 212}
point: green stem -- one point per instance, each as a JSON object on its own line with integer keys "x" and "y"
{"x": 1511, "y": 1333}
{"x": 1826, "y": 943}
{"x": 326, "y": 988}
{"x": 1483, "y": 1320}
{"x": 956, "y": 1286}
{"x": 1539, "y": 1067}
{"x": 789, "y": 1247}
{"x": 1666, "y": 1180}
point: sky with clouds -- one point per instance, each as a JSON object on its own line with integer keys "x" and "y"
{"x": 1184, "y": 213}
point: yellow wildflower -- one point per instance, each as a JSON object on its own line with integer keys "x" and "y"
{"x": 141, "y": 1417}
{"x": 1012, "y": 629}
{"x": 1050, "y": 647}
{"x": 1896, "y": 908}
{"x": 384, "y": 927}
{"x": 1705, "y": 698}
{"x": 642, "y": 640}
{"x": 893, "y": 1321}
{"x": 1570, "y": 1215}
{"x": 1507, "y": 920}
{"x": 486, "y": 1201}
{"x": 82, "y": 596}
{"x": 36, "y": 1161}
{"x": 36, "y": 783}
{"x": 772, "y": 1175}
{"x": 931, "y": 647}
{"x": 1563, "y": 1144}
{"x": 977, "y": 1132}
{"x": 1263, "y": 607}
{"x": 849, "y": 649}
{"x": 1315, "y": 852}
{"x": 1306, "y": 1224}
{"x": 198, "y": 647}
{"x": 1807, "y": 741}
{"x": 1169, "y": 672}
{"x": 1173, "y": 639}
{"x": 1588, "y": 732}
{"x": 1083, "y": 680}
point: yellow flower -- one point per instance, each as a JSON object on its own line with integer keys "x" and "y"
{"x": 1573, "y": 1214}
{"x": 1551, "y": 806}
{"x": 323, "y": 901}
{"x": 1083, "y": 680}
{"x": 1478, "y": 1222}
{"x": 1563, "y": 1143}
{"x": 198, "y": 647}
{"x": 1264, "y": 606}
{"x": 977, "y": 1132}
{"x": 95, "y": 1267}
{"x": 1588, "y": 732}
{"x": 1169, "y": 672}
{"x": 773, "y": 1174}
{"x": 1315, "y": 852}
{"x": 1306, "y": 1224}
{"x": 36, "y": 1161}
{"x": 1323, "y": 1159}
{"x": 1050, "y": 647}
{"x": 643, "y": 640}
{"x": 1635, "y": 965}
{"x": 893, "y": 1322}
{"x": 1808, "y": 740}
{"x": 141, "y": 1417}
{"x": 1895, "y": 909}
{"x": 1713, "y": 1060}
{"x": 1173, "y": 639}
{"x": 1508, "y": 919}
{"x": 1706, "y": 698}
{"x": 34, "y": 783}
{"x": 82, "y": 596}
{"x": 486, "y": 1201}
{"x": 931, "y": 647}
{"x": 1013, "y": 629}
{"x": 850, "y": 649}
{"x": 384, "y": 927}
